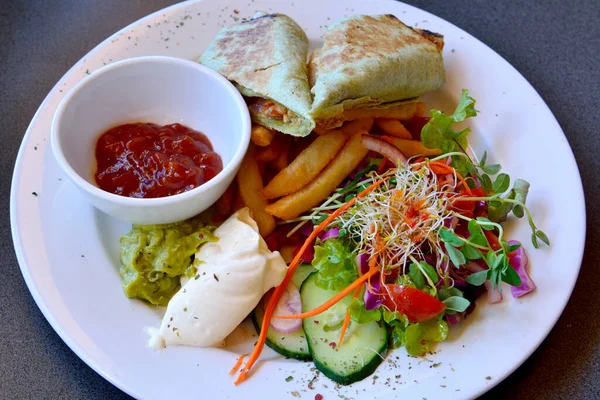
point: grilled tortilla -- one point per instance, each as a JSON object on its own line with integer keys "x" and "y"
{"x": 265, "y": 58}
{"x": 372, "y": 62}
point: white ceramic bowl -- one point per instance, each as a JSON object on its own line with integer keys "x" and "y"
{"x": 160, "y": 90}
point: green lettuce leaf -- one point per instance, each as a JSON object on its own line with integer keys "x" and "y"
{"x": 397, "y": 336}
{"x": 359, "y": 314}
{"x": 418, "y": 337}
{"x": 335, "y": 265}
{"x": 415, "y": 343}
{"x": 398, "y": 324}
{"x": 435, "y": 330}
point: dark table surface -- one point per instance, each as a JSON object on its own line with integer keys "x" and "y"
{"x": 554, "y": 44}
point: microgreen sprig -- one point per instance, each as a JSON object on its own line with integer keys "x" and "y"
{"x": 462, "y": 250}
{"x": 536, "y": 233}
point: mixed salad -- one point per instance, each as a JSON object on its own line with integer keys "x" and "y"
{"x": 400, "y": 251}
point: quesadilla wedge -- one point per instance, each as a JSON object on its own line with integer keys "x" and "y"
{"x": 265, "y": 58}
{"x": 372, "y": 62}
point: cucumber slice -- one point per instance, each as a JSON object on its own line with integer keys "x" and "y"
{"x": 292, "y": 345}
{"x": 364, "y": 345}
{"x": 301, "y": 274}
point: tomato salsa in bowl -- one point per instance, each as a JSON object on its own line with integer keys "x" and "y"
{"x": 147, "y": 160}
{"x": 151, "y": 140}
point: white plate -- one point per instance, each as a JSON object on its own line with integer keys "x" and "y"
{"x": 68, "y": 251}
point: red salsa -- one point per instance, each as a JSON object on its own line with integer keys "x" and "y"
{"x": 148, "y": 160}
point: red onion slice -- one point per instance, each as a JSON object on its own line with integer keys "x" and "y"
{"x": 362, "y": 262}
{"x": 290, "y": 303}
{"x": 329, "y": 234}
{"x": 453, "y": 319}
{"x": 384, "y": 148}
{"x": 494, "y": 295}
{"x": 451, "y": 223}
{"x": 371, "y": 297}
{"x": 473, "y": 267}
{"x": 519, "y": 261}
{"x": 306, "y": 229}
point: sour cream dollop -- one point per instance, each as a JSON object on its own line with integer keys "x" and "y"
{"x": 234, "y": 274}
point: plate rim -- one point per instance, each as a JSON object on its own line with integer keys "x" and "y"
{"x": 85, "y": 356}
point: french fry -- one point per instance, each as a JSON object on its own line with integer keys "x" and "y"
{"x": 282, "y": 161}
{"x": 250, "y": 185}
{"x": 238, "y": 203}
{"x": 393, "y": 127}
{"x": 300, "y": 144}
{"x": 270, "y": 152}
{"x": 224, "y": 204}
{"x": 287, "y": 252}
{"x": 412, "y": 148}
{"x": 306, "y": 166}
{"x": 319, "y": 130}
{"x": 401, "y": 112}
{"x": 358, "y": 125}
{"x": 261, "y": 136}
{"x": 420, "y": 109}
{"x": 327, "y": 181}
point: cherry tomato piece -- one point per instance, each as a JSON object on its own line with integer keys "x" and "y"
{"x": 414, "y": 303}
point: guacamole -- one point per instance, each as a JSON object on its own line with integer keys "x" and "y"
{"x": 154, "y": 256}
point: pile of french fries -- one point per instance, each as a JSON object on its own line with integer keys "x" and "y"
{"x": 282, "y": 177}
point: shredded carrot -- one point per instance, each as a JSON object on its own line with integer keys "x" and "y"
{"x": 372, "y": 264}
{"x": 270, "y": 309}
{"x": 419, "y": 203}
{"x": 373, "y": 261}
{"x": 365, "y": 192}
{"x": 334, "y": 300}
{"x": 440, "y": 168}
{"x": 449, "y": 170}
{"x": 379, "y": 243}
{"x": 347, "y": 319}
{"x": 238, "y": 363}
{"x": 445, "y": 182}
{"x": 344, "y": 327}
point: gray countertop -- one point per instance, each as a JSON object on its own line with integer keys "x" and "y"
{"x": 554, "y": 44}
